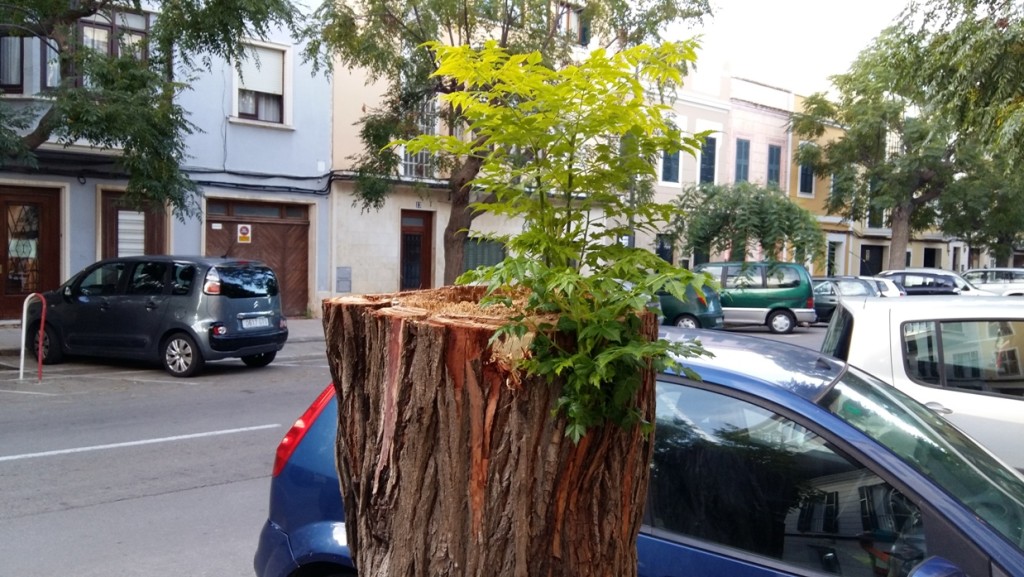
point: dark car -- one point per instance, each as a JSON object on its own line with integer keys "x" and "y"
{"x": 779, "y": 461}
{"x": 700, "y": 310}
{"x": 828, "y": 291}
{"x": 180, "y": 311}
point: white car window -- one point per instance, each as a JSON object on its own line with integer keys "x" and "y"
{"x": 978, "y": 355}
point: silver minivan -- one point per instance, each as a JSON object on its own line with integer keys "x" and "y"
{"x": 181, "y": 311}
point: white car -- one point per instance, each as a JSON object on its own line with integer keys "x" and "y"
{"x": 960, "y": 357}
{"x": 1004, "y": 281}
{"x": 887, "y": 287}
{"x": 933, "y": 281}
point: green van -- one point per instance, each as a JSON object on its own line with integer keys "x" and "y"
{"x": 778, "y": 295}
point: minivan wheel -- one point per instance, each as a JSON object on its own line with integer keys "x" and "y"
{"x": 781, "y": 322}
{"x": 687, "y": 322}
{"x": 260, "y": 360}
{"x": 181, "y": 356}
{"x": 52, "y": 353}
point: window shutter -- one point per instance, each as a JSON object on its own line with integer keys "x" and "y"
{"x": 263, "y": 70}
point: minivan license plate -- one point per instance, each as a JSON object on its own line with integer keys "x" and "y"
{"x": 256, "y": 322}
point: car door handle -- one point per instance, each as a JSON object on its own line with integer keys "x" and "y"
{"x": 151, "y": 305}
{"x": 938, "y": 408}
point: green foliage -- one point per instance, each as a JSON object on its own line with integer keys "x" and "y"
{"x": 551, "y": 143}
{"x": 733, "y": 216}
{"x": 389, "y": 41}
{"x": 985, "y": 208}
{"x": 969, "y": 59}
{"x": 897, "y": 154}
{"x": 124, "y": 103}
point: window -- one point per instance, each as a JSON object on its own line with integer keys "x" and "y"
{"x": 707, "y": 160}
{"x": 184, "y": 278}
{"x": 670, "y": 166}
{"x": 782, "y": 276}
{"x": 774, "y": 164}
{"x": 102, "y": 281}
{"x": 876, "y": 219}
{"x": 148, "y": 278}
{"x": 975, "y": 355}
{"x": 742, "y": 160}
{"x": 113, "y": 34}
{"x": 479, "y": 252}
{"x": 261, "y": 85}
{"x": 421, "y": 164}
{"x": 11, "y": 64}
{"x": 51, "y": 71}
{"x": 806, "y": 186}
{"x": 802, "y": 501}
{"x": 663, "y": 247}
{"x": 743, "y": 276}
{"x": 569, "y": 19}
{"x": 833, "y": 252}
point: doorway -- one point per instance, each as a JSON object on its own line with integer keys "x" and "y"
{"x": 30, "y": 249}
{"x": 417, "y": 250}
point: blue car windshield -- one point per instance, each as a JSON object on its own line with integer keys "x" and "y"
{"x": 934, "y": 447}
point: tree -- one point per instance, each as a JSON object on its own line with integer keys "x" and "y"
{"x": 968, "y": 57}
{"x": 897, "y": 153}
{"x": 731, "y": 217}
{"x": 386, "y": 39}
{"x": 123, "y": 99}
{"x": 501, "y": 428}
{"x": 985, "y": 208}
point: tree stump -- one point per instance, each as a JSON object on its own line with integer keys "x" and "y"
{"x": 452, "y": 465}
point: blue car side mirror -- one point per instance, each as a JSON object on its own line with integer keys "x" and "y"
{"x": 937, "y": 567}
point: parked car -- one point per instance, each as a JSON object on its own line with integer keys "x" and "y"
{"x": 1004, "y": 281}
{"x": 176, "y": 310}
{"x": 961, "y": 357}
{"x": 887, "y": 287}
{"x": 779, "y": 461}
{"x": 700, "y": 310}
{"x": 828, "y": 291}
{"x": 778, "y": 295}
{"x": 933, "y": 281}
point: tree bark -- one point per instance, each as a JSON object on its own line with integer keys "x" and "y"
{"x": 899, "y": 223}
{"x": 450, "y": 465}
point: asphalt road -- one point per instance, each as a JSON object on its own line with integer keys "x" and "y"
{"x": 119, "y": 470}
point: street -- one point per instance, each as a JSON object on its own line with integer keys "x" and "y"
{"x": 118, "y": 469}
{"x": 123, "y": 470}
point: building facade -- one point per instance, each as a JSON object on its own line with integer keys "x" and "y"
{"x": 261, "y": 156}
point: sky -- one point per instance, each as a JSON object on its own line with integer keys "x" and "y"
{"x": 792, "y": 44}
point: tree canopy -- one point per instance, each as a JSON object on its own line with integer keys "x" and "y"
{"x": 897, "y": 153}
{"x": 967, "y": 56}
{"x": 121, "y": 97}
{"x": 387, "y": 39}
{"x": 738, "y": 217}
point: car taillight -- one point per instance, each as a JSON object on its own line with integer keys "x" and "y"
{"x": 298, "y": 430}
{"x": 703, "y": 301}
{"x": 211, "y": 285}
{"x": 810, "y": 302}
{"x": 218, "y": 329}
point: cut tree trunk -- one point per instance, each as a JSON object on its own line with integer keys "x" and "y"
{"x": 452, "y": 465}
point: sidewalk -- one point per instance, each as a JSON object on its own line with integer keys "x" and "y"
{"x": 299, "y": 331}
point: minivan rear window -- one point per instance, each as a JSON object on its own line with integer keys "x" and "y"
{"x": 247, "y": 281}
{"x": 837, "y": 337}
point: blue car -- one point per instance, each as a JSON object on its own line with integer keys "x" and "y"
{"x": 780, "y": 461}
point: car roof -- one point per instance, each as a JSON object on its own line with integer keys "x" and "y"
{"x": 939, "y": 306}
{"x": 747, "y": 361}
{"x": 996, "y": 268}
{"x": 919, "y": 270}
{"x": 198, "y": 259}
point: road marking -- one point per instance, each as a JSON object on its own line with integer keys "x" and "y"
{"x": 30, "y": 393}
{"x": 136, "y": 443}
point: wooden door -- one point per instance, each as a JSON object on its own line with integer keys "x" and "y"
{"x": 416, "y": 250}
{"x": 30, "y": 246}
{"x": 250, "y": 230}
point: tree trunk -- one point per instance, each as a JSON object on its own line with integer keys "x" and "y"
{"x": 450, "y": 465}
{"x": 899, "y": 223}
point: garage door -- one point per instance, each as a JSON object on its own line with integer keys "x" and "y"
{"x": 277, "y": 234}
